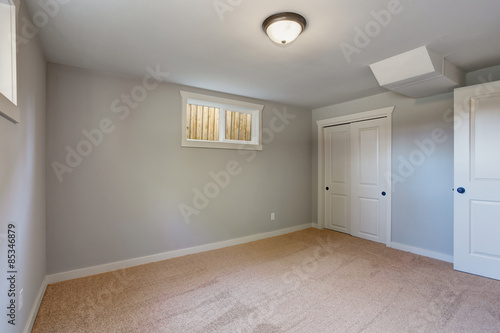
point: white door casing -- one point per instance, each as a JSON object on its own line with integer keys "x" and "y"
{"x": 337, "y": 178}
{"x": 477, "y": 180}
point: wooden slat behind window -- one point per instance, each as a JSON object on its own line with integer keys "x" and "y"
{"x": 249, "y": 128}
{"x": 238, "y": 126}
{"x": 211, "y": 124}
{"x": 243, "y": 126}
{"x": 193, "y": 122}
{"x": 199, "y": 122}
{"x": 216, "y": 125}
{"x": 204, "y": 131}
{"x": 229, "y": 124}
{"x": 202, "y": 123}
{"x": 235, "y": 130}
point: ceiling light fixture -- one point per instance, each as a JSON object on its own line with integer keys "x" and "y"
{"x": 284, "y": 28}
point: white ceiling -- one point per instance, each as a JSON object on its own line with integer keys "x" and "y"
{"x": 188, "y": 40}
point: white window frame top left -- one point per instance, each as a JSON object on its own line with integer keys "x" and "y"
{"x": 223, "y": 104}
{"x": 9, "y": 108}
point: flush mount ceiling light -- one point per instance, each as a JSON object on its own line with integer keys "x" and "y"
{"x": 284, "y": 28}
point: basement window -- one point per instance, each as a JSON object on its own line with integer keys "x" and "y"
{"x": 213, "y": 122}
{"x": 8, "y": 61}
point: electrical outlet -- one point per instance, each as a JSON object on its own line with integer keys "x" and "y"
{"x": 273, "y": 216}
{"x": 21, "y": 299}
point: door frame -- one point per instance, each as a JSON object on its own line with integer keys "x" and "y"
{"x": 368, "y": 115}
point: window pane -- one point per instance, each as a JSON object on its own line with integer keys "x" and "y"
{"x": 238, "y": 126}
{"x": 202, "y": 123}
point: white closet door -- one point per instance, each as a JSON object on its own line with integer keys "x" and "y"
{"x": 368, "y": 192}
{"x": 337, "y": 178}
{"x": 477, "y": 180}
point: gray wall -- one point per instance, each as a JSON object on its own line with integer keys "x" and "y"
{"x": 483, "y": 75}
{"x": 22, "y": 182}
{"x": 422, "y": 199}
{"x": 122, "y": 201}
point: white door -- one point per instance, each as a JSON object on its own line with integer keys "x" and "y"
{"x": 337, "y": 178}
{"x": 477, "y": 180}
{"x": 369, "y": 193}
{"x": 355, "y": 192}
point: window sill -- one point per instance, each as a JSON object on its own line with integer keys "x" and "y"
{"x": 219, "y": 145}
{"x": 9, "y": 110}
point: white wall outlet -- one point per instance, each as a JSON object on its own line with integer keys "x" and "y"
{"x": 273, "y": 216}
{"x": 21, "y": 299}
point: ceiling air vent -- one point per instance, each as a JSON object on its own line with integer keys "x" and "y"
{"x": 418, "y": 73}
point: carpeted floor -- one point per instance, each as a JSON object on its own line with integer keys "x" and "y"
{"x": 307, "y": 281}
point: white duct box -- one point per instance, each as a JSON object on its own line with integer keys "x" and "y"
{"x": 418, "y": 73}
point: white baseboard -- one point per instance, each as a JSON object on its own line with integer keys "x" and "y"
{"x": 167, "y": 255}
{"x": 422, "y": 252}
{"x": 35, "y": 307}
{"x": 316, "y": 226}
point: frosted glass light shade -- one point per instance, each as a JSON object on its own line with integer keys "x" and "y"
{"x": 284, "y": 28}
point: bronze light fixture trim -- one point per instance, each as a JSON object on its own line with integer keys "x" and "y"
{"x": 284, "y": 28}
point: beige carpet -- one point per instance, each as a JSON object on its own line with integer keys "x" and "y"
{"x": 307, "y": 281}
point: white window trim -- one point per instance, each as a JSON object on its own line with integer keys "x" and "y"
{"x": 8, "y": 109}
{"x": 231, "y": 105}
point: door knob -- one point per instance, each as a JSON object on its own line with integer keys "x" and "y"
{"x": 384, "y": 194}
{"x": 327, "y": 188}
{"x": 461, "y": 190}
